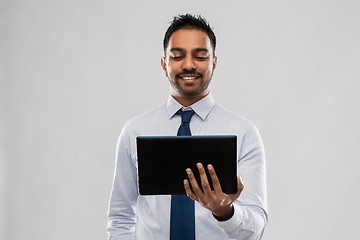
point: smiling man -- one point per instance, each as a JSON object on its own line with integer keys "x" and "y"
{"x": 189, "y": 62}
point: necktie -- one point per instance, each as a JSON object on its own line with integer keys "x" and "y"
{"x": 182, "y": 216}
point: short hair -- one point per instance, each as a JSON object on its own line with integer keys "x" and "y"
{"x": 189, "y": 21}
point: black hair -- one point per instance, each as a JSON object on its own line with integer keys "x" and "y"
{"x": 189, "y": 21}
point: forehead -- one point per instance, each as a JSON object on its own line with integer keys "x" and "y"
{"x": 188, "y": 39}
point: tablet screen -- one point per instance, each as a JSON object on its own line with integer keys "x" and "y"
{"x": 162, "y": 161}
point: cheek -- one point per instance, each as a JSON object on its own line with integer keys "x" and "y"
{"x": 207, "y": 69}
{"x": 172, "y": 69}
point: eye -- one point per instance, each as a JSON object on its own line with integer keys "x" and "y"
{"x": 201, "y": 58}
{"x": 177, "y": 58}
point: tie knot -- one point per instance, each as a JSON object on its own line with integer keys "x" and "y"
{"x": 186, "y": 115}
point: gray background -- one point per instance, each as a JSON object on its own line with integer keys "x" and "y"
{"x": 73, "y": 71}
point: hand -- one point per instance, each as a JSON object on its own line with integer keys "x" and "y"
{"x": 219, "y": 203}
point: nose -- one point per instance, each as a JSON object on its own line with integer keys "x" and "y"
{"x": 188, "y": 63}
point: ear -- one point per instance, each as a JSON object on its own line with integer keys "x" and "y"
{"x": 214, "y": 62}
{"x": 163, "y": 65}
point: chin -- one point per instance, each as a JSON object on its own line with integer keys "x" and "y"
{"x": 193, "y": 93}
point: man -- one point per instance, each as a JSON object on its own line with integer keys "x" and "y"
{"x": 189, "y": 62}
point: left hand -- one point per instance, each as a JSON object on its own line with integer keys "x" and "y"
{"x": 219, "y": 203}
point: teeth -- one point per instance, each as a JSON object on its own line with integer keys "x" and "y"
{"x": 188, "y": 78}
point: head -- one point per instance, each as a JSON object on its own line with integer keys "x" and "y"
{"x": 189, "y": 21}
{"x": 189, "y": 60}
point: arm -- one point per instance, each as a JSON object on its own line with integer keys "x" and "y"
{"x": 241, "y": 217}
{"x": 122, "y": 210}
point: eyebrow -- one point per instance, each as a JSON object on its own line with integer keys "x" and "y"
{"x": 201, "y": 50}
{"x": 176, "y": 49}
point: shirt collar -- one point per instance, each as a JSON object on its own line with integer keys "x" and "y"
{"x": 201, "y": 107}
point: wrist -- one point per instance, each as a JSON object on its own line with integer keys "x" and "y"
{"x": 224, "y": 214}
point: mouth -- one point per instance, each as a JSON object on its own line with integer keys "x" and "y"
{"x": 189, "y": 77}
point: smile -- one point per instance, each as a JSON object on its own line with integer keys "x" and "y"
{"x": 189, "y": 77}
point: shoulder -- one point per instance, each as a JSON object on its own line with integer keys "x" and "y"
{"x": 246, "y": 131}
{"x": 231, "y": 118}
{"x": 145, "y": 119}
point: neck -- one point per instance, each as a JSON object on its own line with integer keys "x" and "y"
{"x": 188, "y": 101}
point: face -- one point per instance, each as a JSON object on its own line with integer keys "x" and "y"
{"x": 189, "y": 63}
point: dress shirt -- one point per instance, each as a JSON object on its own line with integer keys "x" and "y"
{"x": 133, "y": 216}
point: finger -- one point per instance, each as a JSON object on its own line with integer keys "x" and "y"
{"x": 204, "y": 180}
{"x": 214, "y": 180}
{"x": 194, "y": 183}
{"x": 240, "y": 187}
{"x": 189, "y": 192}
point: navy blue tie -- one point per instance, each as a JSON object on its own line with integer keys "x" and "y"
{"x": 182, "y": 216}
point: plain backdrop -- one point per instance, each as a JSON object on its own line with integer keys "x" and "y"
{"x": 72, "y": 72}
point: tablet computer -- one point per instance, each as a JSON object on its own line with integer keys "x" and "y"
{"x": 162, "y": 161}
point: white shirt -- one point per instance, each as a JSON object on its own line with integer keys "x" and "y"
{"x": 132, "y": 216}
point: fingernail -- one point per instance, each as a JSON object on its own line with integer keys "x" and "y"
{"x": 210, "y": 167}
{"x": 188, "y": 171}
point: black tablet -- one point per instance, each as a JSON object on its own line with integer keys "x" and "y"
{"x": 162, "y": 161}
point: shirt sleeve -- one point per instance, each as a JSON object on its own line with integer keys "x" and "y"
{"x": 122, "y": 207}
{"x": 250, "y": 209}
